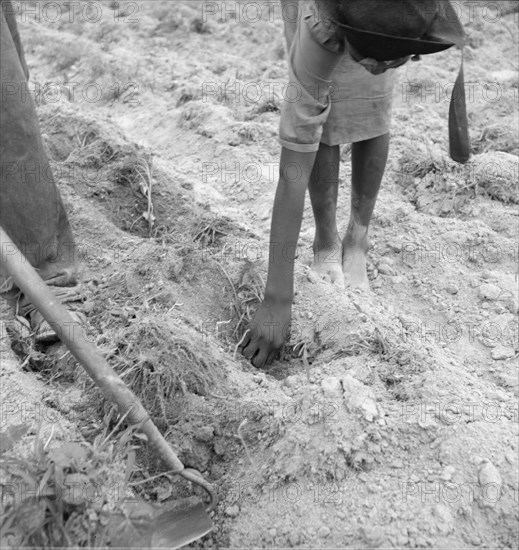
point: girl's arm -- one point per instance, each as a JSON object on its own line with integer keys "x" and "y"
{"x": 269, "y": 327}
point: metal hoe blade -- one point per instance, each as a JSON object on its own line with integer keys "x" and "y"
{"x": 179, "y": 527}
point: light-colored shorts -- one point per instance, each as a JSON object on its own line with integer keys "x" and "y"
{"x": 348, "y": 105}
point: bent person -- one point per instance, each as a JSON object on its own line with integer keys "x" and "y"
{"x": 342, "y": 56}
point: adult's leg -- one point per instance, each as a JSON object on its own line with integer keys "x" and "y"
{"x": 368, "y": 164}
{"x": 9, "y": 11}
{"x": 323, "y": 188}
{"x": 31, "y": 209}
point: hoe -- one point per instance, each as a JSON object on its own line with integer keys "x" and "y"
{"x": 170, "y": 529}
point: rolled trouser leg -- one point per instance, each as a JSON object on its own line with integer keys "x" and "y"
{"x": 31, "y": 209}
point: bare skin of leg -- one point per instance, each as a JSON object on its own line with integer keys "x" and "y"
{"x": 368, "y": 164}
{"x": 323, "y": 187}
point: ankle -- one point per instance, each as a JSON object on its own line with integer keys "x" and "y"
{"x": 357, "y": 237}
{"x": 327, "y": 241}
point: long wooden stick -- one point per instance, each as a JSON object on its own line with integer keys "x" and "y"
{"x": 73, "y": 336}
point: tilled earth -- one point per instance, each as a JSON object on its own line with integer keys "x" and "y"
{"x": 392, "y": 418}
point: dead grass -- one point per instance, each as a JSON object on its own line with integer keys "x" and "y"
{"x": 138, "y": 174}
{"x": 78, "y": 138}
{"x": 496, "y": 175}
{"x": 420, "y": 161}
{"x": 497, "y": 137}
{"x": 159, "y": 358}
{"x": 248, "y": 294}
{"x": 437, "y": 185}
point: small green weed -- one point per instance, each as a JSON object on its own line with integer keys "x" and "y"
{"x": 64, "y": 493}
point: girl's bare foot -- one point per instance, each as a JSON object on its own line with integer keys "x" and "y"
{"x": 355, "y": 246}
{"x": 328, "y": 262}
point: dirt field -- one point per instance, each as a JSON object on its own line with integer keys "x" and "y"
{"x": 392, "y": 419}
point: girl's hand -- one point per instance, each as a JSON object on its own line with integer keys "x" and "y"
{"x": 266, "y": 333}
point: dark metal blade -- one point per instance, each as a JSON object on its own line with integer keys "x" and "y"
{"x": 177, "y": 528}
